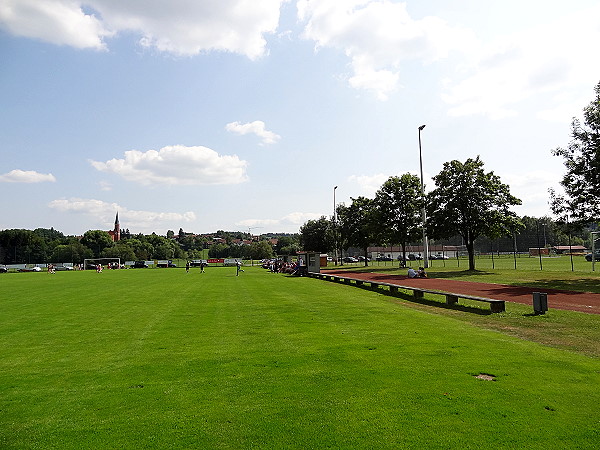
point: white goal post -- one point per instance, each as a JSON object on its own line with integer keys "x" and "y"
{"x": 91, "y": 263}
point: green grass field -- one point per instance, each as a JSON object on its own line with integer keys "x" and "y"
{"x": 555, "y": 271}
{"x": 163, "y": 359}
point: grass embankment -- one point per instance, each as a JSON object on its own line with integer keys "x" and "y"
{"x": 562, "y": 329}
{"x": 165, "y": 359}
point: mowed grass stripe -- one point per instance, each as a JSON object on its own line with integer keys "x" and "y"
{"x": 165, "y": 359}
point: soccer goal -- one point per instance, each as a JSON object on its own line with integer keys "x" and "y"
{"x": 92, "y": 263}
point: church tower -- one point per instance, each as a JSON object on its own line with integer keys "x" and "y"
{"x": 116, "y": 234}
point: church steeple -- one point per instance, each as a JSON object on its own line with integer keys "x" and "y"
{"x": 117, "y": 231}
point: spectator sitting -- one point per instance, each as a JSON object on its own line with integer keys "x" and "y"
{"x": 421, "y": 273}
{"x": 412, "y": 273}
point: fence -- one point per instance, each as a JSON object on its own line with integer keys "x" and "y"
{"x": 503, "y": 261}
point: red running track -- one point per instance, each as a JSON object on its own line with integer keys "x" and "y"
{"x": 558, "y": 299}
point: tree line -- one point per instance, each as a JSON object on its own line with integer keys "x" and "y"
{"x": 466, "y": 202}
{"x": 471, "y": 207}
{"x": 44, "y": 245}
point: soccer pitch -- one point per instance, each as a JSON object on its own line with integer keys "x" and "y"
{"x": 158, "y": 358}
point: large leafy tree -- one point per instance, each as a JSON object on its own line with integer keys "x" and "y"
{"x": 97, "y": 241}
{"x": 19, "y": 246}
{"x": 258, "y": 250}
{"x": 287, "y": 245}
{"x": 359, "y": 224}
{"x": 143, "y": 250}
{"x": 73, "y": 251}
{"x": 218, "y": 250}
{"x": 471, "y": 203}
{"x": 121, "y": 249}
{"x": 399, "y": 206}
{"x": 316, "y": 235}
{"x": 581, "y": 183}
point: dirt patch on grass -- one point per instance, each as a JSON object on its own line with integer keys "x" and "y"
{"x": 486, "y": 377}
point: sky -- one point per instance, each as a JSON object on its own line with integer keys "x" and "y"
{"x": 243, "y": 115}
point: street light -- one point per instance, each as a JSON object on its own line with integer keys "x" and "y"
{"x": 335, "y": 226}
{"x": 425, "y": 244}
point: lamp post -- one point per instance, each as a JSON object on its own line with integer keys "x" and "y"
{"x": 425, "y": 244}
{"x": 335, "y": 226}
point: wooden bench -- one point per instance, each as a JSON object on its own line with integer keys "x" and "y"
{"x": 496, "y": 306}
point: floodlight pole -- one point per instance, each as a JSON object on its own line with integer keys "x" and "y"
{"x": 335, "y": 231}
{"x": 425, "y": 243}
{"x": 570, "y": 248}
{"x": 594, "y": 233}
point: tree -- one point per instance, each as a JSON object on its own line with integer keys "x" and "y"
{"x": 121, "y": 249}
{"x": 125, "y": 234}
{"x": 471, "y": 203}
{"x": 96, "y": 241}
{"x": 74, "y": 251}
{"x": 18, "y": 246}
{"x": 49, "y": 234}
{"x": 316, "y": 235}
{"x": 219, "y": 250}
{"x": 581, "y": 183}
{"x": 164, "y": 250}
{"x": 287, "y": 245}
{"x": 259, "y": 250}
{"x": 358, "y": 224}
{"x": 399, "y": 207}
{"x": 143, "y": 250}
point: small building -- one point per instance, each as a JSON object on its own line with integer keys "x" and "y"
{"x": 312, "y": 260}
{"x": 535, "y": 251}
{"x": 567, "y": 249}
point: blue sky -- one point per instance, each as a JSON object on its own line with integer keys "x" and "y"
{"x": 243, "y": 115}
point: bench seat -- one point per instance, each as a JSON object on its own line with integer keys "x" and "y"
{"x": 496, "y": 306}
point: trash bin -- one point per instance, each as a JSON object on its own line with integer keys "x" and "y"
{"x": 540, "y": 302}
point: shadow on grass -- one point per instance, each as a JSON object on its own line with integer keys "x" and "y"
{"x": 458, "y": 274}
{"x": 369, "y": 268}
{"x": 570, "y": 286}
{"x": 395, "y": 270}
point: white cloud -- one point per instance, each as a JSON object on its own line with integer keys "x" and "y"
{"x": 378, "y": 36}
{"x": 177, "y": 165}
{"x": 534, "y": 186}
{"x": 104, "y": 212}
{"x": 105, "y": 186}
{"x": 532, "y": 190}
{"x": 257, "y": 127}
{"x": 182, "y": 27}
{"x": 368, "y": 184}
{"x": 26, "y": 176}
{"x": 544, "y": 62}
{"x": 60, "y": 22}
{"x": 293, "y": 220}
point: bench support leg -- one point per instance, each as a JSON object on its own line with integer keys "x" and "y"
{"x": 451, "y": 299}
{"x": 418, "y": 294}
{"x": 394, "y": 289}
{"x": 497, "y": 307}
